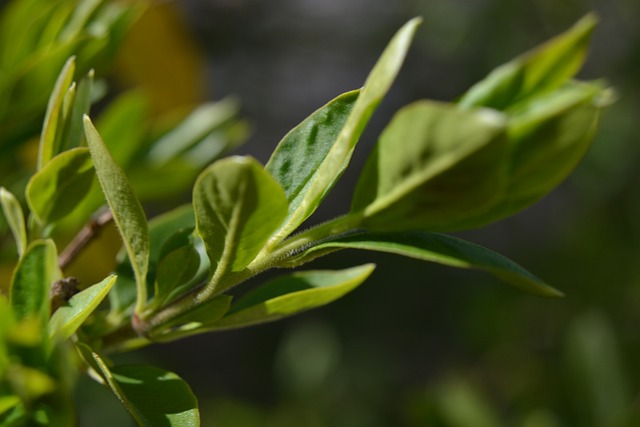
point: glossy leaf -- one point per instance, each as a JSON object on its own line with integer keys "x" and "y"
{"x": 15, "y": 218}
{"x": 442, "y": 249}
{"x": 125, "y": 206}
{"x": 238, "y": 206}
{"x": 286, "y": 296}
{"x": 154, "y": 397}
{"x": 328, "y": 166}
{"x": 32, "y": 279}
{"x": 68, "y": 318}
{"x": 543, "y": 69}
{"x": 56, "y": 189}
{"x": 295, "y": 162}
{"x": 434, "y": 164}
{"x": 48, "y": 143}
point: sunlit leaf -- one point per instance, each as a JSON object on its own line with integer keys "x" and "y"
{"x": 434, "y": 164}
{"x": 154, "y": 397}
{"x": 32, "y": 279}
{"x": 68, "y": 318}
{"x": 15, "y": 218}
{"x": 442, "y": 249}
{"x": 48, "y": 143}
{"x": 328, "y": 165}
{"x": 125, "y": 206}
{"x": 238, "y": 206}
{"x": 545, "y": 68}
{"x": 57, "y": 188}
{"x": 288, "y": 295}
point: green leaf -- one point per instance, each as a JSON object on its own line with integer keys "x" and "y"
{"x": 32, "y": 279}
{"x": 550, "y": 136}
{"x": 286, "y": 296}
{"x": 295, "y": 162}
{"x": 193, "y": 321}
{"x": 154, "y": 397}
{"x": 193, "y": 129}
{"x": 81, "y": 107}
{"x": 68, "y": 318}
{"x": 56, "y": 189}
{"x": 15, "y": 218}
{"x": 126, "y": 208}
{"x": 328, "y": 165}
{"x": 543, "y": 69}
{"x": 445, "y": 250}
{"x": 52, "y": 120}
{"x": 238, "y": 206}
{"x": 175, "y": 270}
{"x": 434, "y": 164}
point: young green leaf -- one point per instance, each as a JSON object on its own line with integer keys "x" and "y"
{"x": 307, "y": 190}
{"x": 52, "y": 119}
{"x": 57, "y": 188}
{"x": 15, "y": 218}
{"x": 81, "y": 106}
{"x": 32, "y": 279}
{"x": 543, "y": 69}
{"x": 238, "y": 206}
{"x": 154, "y": 397}
{"x": 433, "y": 165}
{"x": 176, "y": 270}
{"x": 442, "y": 249}
{"x": 286, "y": 296}
{"x": 126, "y": 208}
{"x": 68, "y": 318}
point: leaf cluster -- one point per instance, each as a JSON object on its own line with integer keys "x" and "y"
{"x": 437, "y": 167}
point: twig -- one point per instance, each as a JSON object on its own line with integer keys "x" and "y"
{"x": 84, "y": 236}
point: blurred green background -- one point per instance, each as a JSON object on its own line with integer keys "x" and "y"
{"x": 419, "y": 344}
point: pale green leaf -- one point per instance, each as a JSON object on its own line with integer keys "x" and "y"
{"x": 81, "y": 107}
{"x": 126, "y": 208}
{"x": 434, "y": 165}
{"x": 52, "y": 119}
{"x": 286, "y": 296}
{"x": 328, "y": 165}
{"x": 545, "y": 68}
{"x": 15, "y": 218}
{"x": 238, "y": 206}
{"x": 68, "y": 318}
{"x": 193, "y": 129}
{"x": 56, "y": 189}
{"x": 32, "y": 279}
{"x": 154, "y": 397}
{"x": 441, "y": 249}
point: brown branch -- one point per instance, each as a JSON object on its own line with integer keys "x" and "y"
{"x": 84, "y": 236}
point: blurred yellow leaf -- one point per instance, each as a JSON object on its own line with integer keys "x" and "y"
{"x": 160, "y": 57}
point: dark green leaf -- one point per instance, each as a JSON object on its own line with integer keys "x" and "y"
{"x": 176, "y": 270}
{"x": 57, "y": 188}
{"x": 68, "y": 318}
{"x": 434, "y": 164}
{"x": 154, "y": 397}
{"x": 328, "y": 165}
{"x": 543, "y": 69}
{"x": 32, "y": 279}
{"x": 238, "y": 206}
{"x": 442, "y": 249}
{"x": 126, "y": 208}
{"x": 286, "y": 296}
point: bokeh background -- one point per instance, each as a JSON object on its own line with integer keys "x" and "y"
{"x": 418, "y": 344}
